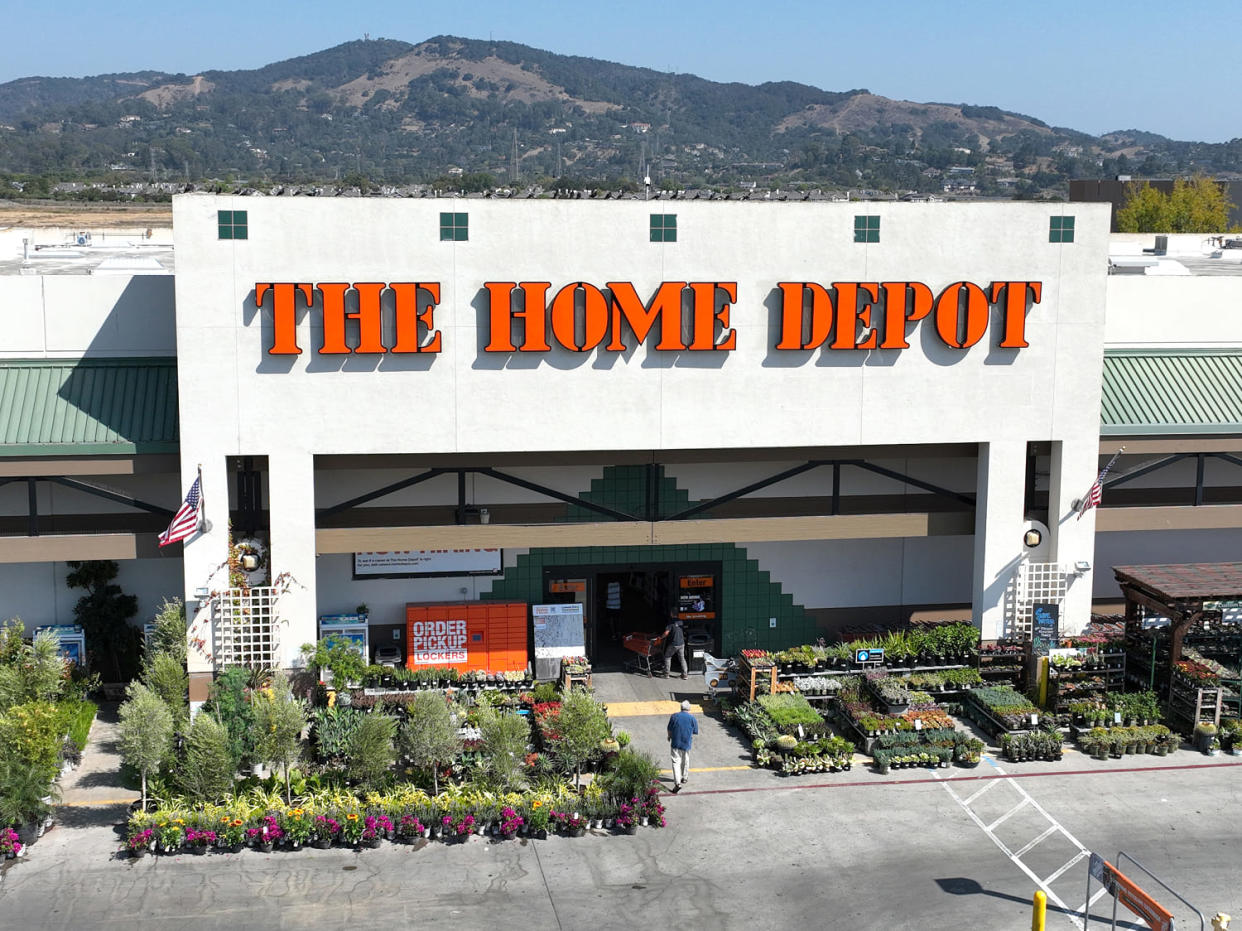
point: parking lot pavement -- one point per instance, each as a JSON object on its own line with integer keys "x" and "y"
{"x": 744, "y": 848}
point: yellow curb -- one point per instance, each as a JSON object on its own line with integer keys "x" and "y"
{"x": 637, "y": 709}
{"x": 709, "y": 769}
{"x": 100, "y": 802}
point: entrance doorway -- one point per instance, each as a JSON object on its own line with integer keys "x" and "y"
{"x": 620, "y": 600}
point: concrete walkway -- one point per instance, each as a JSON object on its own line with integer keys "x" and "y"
{"x": 92, "y": 796}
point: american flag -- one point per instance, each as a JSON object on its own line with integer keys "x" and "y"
{"x": 1096, "y": 491}
{"x": 186, "y": 521}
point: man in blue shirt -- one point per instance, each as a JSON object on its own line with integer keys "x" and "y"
{"x": 681, "y": 730}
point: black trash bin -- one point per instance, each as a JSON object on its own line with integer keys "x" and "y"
{"x": 698, "y": 641}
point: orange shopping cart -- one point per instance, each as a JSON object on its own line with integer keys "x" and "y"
{"x": 643, "y": 646}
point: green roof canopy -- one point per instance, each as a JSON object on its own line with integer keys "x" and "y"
{"x": 88, "y": 407}
{"x": 1171, "y": 391}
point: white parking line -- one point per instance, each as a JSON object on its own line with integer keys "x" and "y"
{"x": 1076, "y": 918}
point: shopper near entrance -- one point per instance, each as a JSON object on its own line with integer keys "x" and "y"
{"x": 681, "y": 730}
{"x": 674, "y": 643}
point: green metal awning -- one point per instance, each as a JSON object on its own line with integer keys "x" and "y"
{"x": 1153, "y": 391}
{"x": 88, "y": 407}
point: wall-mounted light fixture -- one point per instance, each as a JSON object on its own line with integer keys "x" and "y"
{"x": 1032, "y": 538}
{"x": 1082, "y": 566}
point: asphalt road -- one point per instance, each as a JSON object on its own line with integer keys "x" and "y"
{"x": 879, "y": 854}
{"x": 744, "y": 848}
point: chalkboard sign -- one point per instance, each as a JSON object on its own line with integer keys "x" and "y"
{"x": 1045, "y": 627}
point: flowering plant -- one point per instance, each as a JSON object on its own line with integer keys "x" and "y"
{"x": 197, "y": 838}
{"x": 568, "y": 821}
{"x": 138, "y": 839}
{"x": 510, "y": 821}
{"x": 352, "y": 827}
{"x": 375, "y": 827}
{"x": 231, "y": 831}
{"x": 326, "y": 828}
{"x": 268, "y": 831}
{"x": 652, "y": 807}
{"x": 10, "y": 846}
{"x": 410, "y": 826}
{"x": 627, "y": 814}
{"x": 460, "y": 826}
{"x": 170, "y": 834}
{"x": 296, "y": 824}
{"x": 539, "y": 814}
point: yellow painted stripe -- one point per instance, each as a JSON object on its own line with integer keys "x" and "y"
{"x": 100, "y": 802}
{"x": 638, "y": 709}
{"x": 709, "y": 769}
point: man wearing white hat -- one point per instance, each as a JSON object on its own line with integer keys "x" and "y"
{"x": 681, "y": 730}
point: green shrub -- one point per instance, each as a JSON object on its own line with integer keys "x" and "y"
{"x": 30, "y": 672}
{"x": 165, "y": 675}
{"x": 371, "y": 751}
{"x": 208, "y": 769}
{"x": 229, "y": 701}
{"x": 32, "y": 733}
{"x": 81, "y": 717}
{"x": 545, "y": 692}
{"x": 333, "y": 730}
{"x": 24, "y": 791}
{"x": 789, "y": 709}
{"x": 629, "y": 775}
{"x": 506, "y": 739}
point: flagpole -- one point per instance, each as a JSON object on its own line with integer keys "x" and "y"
{"x": 205, "y": 526}
{"x": 1077, "y": 503}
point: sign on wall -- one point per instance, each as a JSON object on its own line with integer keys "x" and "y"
{"x": 438, "y": 643}
{"x": 401, "y": 563}
{"x": 696, "y": 597}
{"x": 679, "y": 316}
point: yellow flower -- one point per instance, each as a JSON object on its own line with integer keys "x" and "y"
{"x": 179, "y": 821}
{"x": 224, "y": 820}
{"x": 536, "y": 804}
{"x": 351, "y": 817}
{"x": 237, "y": 822}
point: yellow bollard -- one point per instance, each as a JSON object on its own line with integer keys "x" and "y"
{"x": 1038, "y": 909}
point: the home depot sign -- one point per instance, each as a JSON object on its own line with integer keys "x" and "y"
{"x": 680, "y": 316}
{"x": 438, "y": 643}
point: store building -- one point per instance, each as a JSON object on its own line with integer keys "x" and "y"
{"x": 776, "y": 419}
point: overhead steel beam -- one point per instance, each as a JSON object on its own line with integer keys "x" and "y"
{"x": 381, "y": 492}
{"x": 107, "y": 495}
{"x": 553, "y": 493}
{"x": 910, "y": 480}
{"x": 1145, "y": 470}
{"x": 742, "y": 492}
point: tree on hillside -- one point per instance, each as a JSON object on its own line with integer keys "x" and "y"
{"x": 1195, "y": 206}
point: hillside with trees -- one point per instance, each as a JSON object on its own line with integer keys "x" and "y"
{"x": 481, "y": 113}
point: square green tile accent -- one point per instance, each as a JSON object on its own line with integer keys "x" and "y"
{"x": 866, "y": 228}
{"x": 1060, "y": 229}
{"x": 232, "y": 224}
{"x": 454, "y": 227}
{"x": 664, "y": 227}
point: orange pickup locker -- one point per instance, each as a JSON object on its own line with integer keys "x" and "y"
{"x": 490, "y": 636}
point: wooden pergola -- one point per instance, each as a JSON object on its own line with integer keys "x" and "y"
{"x": 1178, "y": 593}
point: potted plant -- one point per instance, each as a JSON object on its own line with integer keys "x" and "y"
{"x": 297, "y": 826}
{"x": 139, "y": 843}
{"x": 199, "y": 841}
{"x": 510, "y": 822}
{"x": 1204, "y": 734}
{"x": 265, "y": 836}
{"x": 325, "y": 831}
{"x": 231, "y": 834}
{"x": 409, "y": 829}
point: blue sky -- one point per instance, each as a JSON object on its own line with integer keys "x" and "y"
{"x": 1095, "y": 66}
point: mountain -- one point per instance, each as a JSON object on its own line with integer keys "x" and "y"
{"x": 396, "y": 113}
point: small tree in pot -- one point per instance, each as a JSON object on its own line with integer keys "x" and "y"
{"x": 146, "y": 732}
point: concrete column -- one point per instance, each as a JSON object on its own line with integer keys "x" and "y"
{"x": 291, "y": 501}
{"x": 999, "y": 525}
{"x": 1074, "y": 466}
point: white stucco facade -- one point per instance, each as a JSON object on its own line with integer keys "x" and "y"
{"x": 1012, "y": 431}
